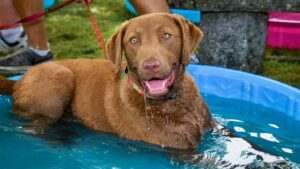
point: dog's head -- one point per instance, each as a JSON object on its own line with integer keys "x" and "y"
{"x": 157, "y": 47}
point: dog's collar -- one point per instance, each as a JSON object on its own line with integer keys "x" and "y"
{"x": 140, "y": 89}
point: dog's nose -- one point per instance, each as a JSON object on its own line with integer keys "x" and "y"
{"x": 151, "y": 66}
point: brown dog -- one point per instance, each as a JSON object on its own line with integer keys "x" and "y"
{"x": 156, "y": 101}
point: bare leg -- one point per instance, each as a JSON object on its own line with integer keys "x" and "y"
{"x": 150, "y": 6}
{"x": 12, "y": 39}
{"x": 37, "y": 37}
{"x": 8, "y": 13}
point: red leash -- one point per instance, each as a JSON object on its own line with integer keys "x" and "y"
{"x": 97, "y": 30}
{"x": 66, "y": 3}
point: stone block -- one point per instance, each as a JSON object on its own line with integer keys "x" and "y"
{"x": 235, "y": 40}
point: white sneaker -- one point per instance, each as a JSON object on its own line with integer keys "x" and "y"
{"x": 6, "y": 47}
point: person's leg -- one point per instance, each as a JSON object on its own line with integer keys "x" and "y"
{"x": 150, "y": 6}
{"x": 13, "y": 38}
{"x": 35, "y": 30}
{"x": 38, "y": 50}
{"x": 8, "y": 13}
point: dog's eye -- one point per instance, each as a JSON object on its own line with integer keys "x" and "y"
{"x": 166, "y": 36}
{"x": 133, "y": 40}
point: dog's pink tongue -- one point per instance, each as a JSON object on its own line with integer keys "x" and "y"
{"x": 157, "y": 87}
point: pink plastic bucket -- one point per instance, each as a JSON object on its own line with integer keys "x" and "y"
{"x": 284, "y": 30}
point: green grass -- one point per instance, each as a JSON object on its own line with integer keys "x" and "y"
{"x": 283, "y": 71}
{"x": 71, "y": 34}
{"x": 284, "y": 66}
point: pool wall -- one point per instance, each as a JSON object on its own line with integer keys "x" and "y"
{"x": 256, "y": 89}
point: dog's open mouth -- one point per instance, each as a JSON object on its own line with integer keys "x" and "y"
{"x": 159, "y": 87}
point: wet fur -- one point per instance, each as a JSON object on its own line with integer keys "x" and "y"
{"x": 6, "y": 86}
{"x": 104, "y": 102}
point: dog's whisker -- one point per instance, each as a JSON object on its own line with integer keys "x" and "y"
{"x": 146, "y": 113}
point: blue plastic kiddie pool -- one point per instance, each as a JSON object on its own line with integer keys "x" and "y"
{"x": 261, "y": 117}
{"x": 239, "y": 85}
{"x": 49, "y": 3}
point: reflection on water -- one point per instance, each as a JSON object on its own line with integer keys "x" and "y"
{"x": 249, "y": 136}
{"x": 235, "y": 152}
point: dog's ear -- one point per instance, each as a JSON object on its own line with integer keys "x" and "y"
{"x": 191, "y": 36}
{"x": 114, "y": 47}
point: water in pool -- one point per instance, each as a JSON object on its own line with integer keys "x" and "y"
{"x": 255, "y": 137}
